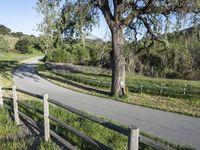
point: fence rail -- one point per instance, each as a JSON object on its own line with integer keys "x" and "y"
{"x": 132, "y": 132}
{"x": 158, "y": 89}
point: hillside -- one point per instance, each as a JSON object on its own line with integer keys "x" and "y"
{"x": 11, "y": 40}
{"x": 180, "y": 58}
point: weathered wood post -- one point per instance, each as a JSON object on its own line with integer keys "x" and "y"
{"x": 1, "y": 98}
{"x": 184, "y": 89}
{"x": 133, "y": 138}
{"x": 46, "y": 118}
{"x": 141, "y": 87}
{"x": 15, "y": 104}
{"x": 161, "y": 89}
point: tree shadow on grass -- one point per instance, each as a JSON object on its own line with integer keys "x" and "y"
{"x": 6, "y": 67}
{"x": 77, "y": 85}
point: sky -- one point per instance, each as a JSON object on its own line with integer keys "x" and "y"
{"x": 20, "y": 16}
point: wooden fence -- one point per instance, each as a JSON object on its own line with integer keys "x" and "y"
{"x": 156, "y": 89}
{"x": 132, "y": 132}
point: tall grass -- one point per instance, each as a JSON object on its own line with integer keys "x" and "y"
{"x": 94, "y": 130}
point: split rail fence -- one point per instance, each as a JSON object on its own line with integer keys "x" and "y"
{"x": 132, "y": 132}
{"x": 156, "y": 89}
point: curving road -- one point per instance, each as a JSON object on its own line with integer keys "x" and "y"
{"x": 176, "y": 128}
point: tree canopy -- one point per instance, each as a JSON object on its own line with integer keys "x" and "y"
{"x": 4, "y": 30}
{"x": 132, "y": 20}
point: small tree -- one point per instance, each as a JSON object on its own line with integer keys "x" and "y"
{"x": 23, "y": 45}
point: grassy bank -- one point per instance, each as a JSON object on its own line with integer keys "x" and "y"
{"x": 8, "y": 62}
{"x": 13, "y": 137}
{"x": 134, "y": 83}
{"x": 96, "y": 131}
{"x": 183, "y": 105}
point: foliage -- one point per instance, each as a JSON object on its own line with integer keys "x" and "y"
{"x": 11, "y": 40}
{"x": 3, "y": 44}
{"x": 23, "y": 46}
{"x": 59, "y": 55}
{"x": 17, "y": 34}
{"x": 28, "y": 44}
{"x": 4, "y": 30}
{"x": 50, "y": 12}
{"x": 125, "y": 20}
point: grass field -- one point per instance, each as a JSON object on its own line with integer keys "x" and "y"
{"x": 183, "y": 105}
{"x": 135, "y": 83}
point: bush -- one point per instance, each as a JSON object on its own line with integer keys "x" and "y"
{"x": 23, "y": 46}
{"x": 81, "y": 53}
{"x": 27, "y": 45}
{"x": 60, "y": 56}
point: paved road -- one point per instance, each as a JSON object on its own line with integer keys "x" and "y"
{"x": 173, "y": 127}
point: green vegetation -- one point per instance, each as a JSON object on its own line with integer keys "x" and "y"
{"x": 7, "y": 127}
{"x": 13, "y": 137}
{"x": 183, "y": 105}
{"x": 176, "y": 61}
{"x": 8, "y": 41}
{"x": 96, "y": 131}
{"x": 4, "y": 30}
{"x": 75, "y": 53}
{"x": 8, "y": 62}
{"x": 10, "y": 57}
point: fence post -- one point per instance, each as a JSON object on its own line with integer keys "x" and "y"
{"x": 1, "y": 98}
{"x": 15, "y": 104}
{"x": 184, "y": 89}
{"x": 141, "y": 87}
{"x": 133, "y": 138}
{"x": 46, "y": 117}
{"x": 161, "y": 89}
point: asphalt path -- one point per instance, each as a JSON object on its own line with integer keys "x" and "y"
{"x": 173, "y": 127}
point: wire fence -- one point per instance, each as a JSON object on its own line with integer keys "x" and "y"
{"x": 143, "y": 87}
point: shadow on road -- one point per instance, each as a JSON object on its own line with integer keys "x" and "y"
{"x": 77, "y": 85}
{"x": 6, "y": 67}
{"x": 27, "y": 71}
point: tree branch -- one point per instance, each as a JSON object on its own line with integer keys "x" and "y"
{"x": 103, "y": 5}
{"x": 149, "y": 30}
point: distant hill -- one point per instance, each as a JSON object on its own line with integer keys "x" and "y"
{"x": 181, "y": 58}
{"x": 11, "y": 40}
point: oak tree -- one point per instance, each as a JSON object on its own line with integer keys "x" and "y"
{"x": 135, "y": 19}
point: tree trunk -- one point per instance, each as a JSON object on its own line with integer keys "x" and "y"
{"x": 118, "y": 62}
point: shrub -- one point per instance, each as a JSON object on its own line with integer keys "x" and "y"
{"x": 60, "y": 56}
{"x": 23, "y": 46}
{"x": 27, "y": 44}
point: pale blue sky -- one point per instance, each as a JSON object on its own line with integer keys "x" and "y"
{"x": 20, "y": 15}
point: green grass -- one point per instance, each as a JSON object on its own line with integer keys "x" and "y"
{"x": 183, "y": 105}
{"x": 13, "y": 137}
{"x": 96, "y": 131}
{"x": 7, "y": 127}
{"x": 153, "y": 86}
{"x": 11, "y": 40}
{"x": 8, "y": 62}
{"x": 8, "y": 130}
